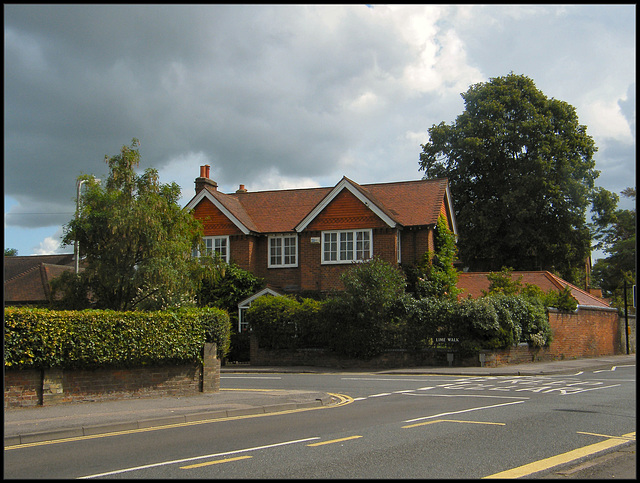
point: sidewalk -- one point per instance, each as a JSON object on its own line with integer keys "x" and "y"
{"x": 29, "y": 425}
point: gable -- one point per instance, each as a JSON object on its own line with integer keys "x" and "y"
{"x": 345, "y": 211}
{"x": 214, "y": 221}
{"x": 358, "y": 192}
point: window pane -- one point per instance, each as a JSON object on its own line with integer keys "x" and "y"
{"x": 362, "y": 245}
{"x": 290, "y": 250}
{"x": 221, "y": 247}
{"x": 331, "y": 247}
{"x": 276, "y": 251}
{"x": 208, "y": 246}
{"x": 346, "y": 246}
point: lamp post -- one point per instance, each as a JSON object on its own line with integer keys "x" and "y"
{"x": 76, "y": 247}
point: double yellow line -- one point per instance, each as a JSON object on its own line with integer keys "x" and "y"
{"x": 342, "y": 400}
{"x": 567, "y": 457}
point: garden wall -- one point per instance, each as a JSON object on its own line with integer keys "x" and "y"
{"x": 588, "y": 332}
{"x": 30, "y": 387}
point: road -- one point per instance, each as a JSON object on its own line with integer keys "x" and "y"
{"x": 383, "y": 426}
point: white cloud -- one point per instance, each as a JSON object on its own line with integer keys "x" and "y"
{"x": 51, "y": 245}
{"x": 605, "y": 119}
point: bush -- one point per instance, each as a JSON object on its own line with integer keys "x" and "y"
{"x": 42, "y": 338}
{"x": 286, "y": 323}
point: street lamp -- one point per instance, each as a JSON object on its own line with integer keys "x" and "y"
{"x": 76, "y": 247}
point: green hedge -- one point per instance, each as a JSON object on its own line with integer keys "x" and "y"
{"x": 42, "y": 338}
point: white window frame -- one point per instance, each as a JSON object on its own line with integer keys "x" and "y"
{"x": 344, "y": 246}
{"x": 282, "y": 255}
{"x": 213, "y": 241}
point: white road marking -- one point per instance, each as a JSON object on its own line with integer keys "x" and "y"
{"x": 173, "y": 462}
{"x": 463, "y": 411}
{"x": 468, "y": 395}
{"x": 250, "y": 377}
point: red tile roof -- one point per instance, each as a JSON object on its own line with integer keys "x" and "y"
{"x": 28, "y": 279}
{"x": 473, "y": 283}
{"x": 408, "y": 203}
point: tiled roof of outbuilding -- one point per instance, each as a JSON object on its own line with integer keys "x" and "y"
{"x": 473, "y": 284}
{"x": 28, "y": 278}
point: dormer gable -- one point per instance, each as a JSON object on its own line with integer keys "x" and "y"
{"x": 224, "y": 206}
{"x": 358, "y": 192}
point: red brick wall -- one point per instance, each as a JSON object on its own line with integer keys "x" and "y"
{"x": 585, "y": 333}
{"x": 415, "y": 243}
{"x": 22, "y": 388}
{"x": 588, "y": 333}
{"x": 25, "y": 388}
{"x": 61, "y": 387}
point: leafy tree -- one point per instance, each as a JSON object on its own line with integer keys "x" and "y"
{"x": 136, "y": 239}
{"x": 224, "y": 284}
{"x": 435, "y": 275}
{"x": 521, "y": 172}
{"x": 615, "y": 233}
{"x": 10, "y": 252}
{"x": 362, "y": 320}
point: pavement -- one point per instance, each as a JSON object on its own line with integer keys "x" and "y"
{"x": 35, "y": 424}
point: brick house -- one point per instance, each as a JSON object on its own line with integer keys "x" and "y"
{"x": 303, "y": 239}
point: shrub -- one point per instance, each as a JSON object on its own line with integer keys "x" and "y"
{"x": 362, "y": 320}
{"x": 434, "y": 275}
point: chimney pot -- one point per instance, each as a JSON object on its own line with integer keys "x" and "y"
{"x": 204, "y": 180}
{"x": 242, "y": 189}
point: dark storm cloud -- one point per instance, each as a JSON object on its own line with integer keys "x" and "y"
{"x": 276, "y": 96}
{"x": 250, "y": 87}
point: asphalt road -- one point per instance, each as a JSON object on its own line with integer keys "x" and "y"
{"x": 386, "y": 426}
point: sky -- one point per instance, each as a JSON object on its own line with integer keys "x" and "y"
{"x": 283, "y": 96}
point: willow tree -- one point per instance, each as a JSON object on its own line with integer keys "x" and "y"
{"x": 135, "y": 239}
{"x": 521, "y": 174}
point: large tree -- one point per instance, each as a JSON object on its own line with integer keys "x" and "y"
{"x": 615, "y": 234}
{"x": 135, "y": 238}
{"x": 521, "y": 173}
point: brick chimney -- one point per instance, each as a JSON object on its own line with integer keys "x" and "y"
{"x": 203, "y": 180}
{"x": 242, "y": 189}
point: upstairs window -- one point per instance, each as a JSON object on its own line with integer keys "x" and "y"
{"x": 283, "y": 251}
{"x": 346, "y": 246}
{"x": 214, "y": 244}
